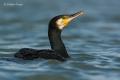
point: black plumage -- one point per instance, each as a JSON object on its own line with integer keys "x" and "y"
{"x": 58, "y": 50}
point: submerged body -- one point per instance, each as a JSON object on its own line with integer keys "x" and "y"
{"x": 58, "y": 50}
{"x": 30, "y": 54}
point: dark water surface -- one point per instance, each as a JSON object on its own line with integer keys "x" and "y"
{"x": 93, "y": 41}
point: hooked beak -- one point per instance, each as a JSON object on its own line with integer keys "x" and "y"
{"x": 75, "y": 15}
{"x": 64, "y": 22}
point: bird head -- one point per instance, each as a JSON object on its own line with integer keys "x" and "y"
{"x": 62, "y": 21}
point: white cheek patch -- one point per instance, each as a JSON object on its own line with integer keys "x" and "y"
{"x": 60, "y": 23}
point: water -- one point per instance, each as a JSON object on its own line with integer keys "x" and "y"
{"x": 93, "y": 41}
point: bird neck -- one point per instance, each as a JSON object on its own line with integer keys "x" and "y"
{"x": 56, "y": 41}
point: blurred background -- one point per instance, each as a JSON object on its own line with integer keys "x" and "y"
{"x": 93, "y": 40}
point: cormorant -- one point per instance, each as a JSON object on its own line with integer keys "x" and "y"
{"x": 58, "y": 52}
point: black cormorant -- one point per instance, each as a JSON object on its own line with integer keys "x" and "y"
{"x": 58, "y": 51}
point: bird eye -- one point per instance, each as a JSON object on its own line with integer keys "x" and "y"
{"x": 64, "y": 17}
